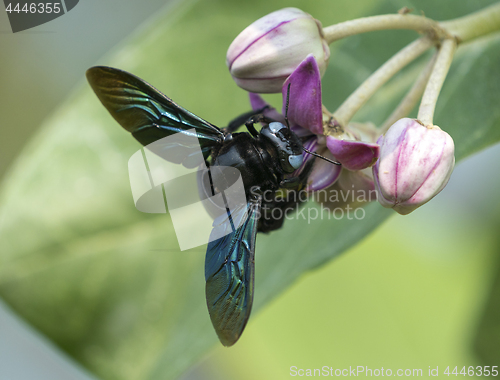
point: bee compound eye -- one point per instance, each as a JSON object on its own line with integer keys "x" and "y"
{"x": 295, "y": 160}
{"x": 275, "y": 127}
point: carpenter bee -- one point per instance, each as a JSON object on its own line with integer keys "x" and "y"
{"x": 268, "y": 161}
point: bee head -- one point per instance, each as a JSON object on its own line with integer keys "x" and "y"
{"x": 287, "y": 144}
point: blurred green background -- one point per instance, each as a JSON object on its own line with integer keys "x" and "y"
{"x": 419, "y": 292}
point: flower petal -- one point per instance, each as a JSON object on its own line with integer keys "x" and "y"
{"x": 324, "y": 173}
{"x": 304, "y": 107}
{"x": 258, "y": 103}
{"x": 353, "y": 155}
{"x": 310, "y": 144}
{"x": 299, "y": 131}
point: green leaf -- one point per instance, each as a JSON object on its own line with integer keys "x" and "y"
{"x": 487, "y": 339}
{"x": 107, "y": 283}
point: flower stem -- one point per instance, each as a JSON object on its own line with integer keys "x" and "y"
{"x": 475, "y": 25}
{"x": 366, "y": 90}
{"x": 436, "y": 80}
{"x": 382, "y": 22}
{"x": 412, "y": 97}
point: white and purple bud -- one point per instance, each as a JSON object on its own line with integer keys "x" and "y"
{"x": 264, "y": 54}
{"x": 415, "y": 164}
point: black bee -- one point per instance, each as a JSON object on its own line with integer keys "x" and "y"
{"x": 265, "y": 159}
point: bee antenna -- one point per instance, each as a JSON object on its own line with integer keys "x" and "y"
{"x": 287, "y": 103}
{"x": 320, "y": 156}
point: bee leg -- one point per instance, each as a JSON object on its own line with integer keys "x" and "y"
{"x": 300, "y": 180}
{"x": 249, "y": 124}
{"x": 258, "y": 118}
{"x": 290, "y": 183}
{"x": 240, "y": 120}
{"x": 274, "y": 210}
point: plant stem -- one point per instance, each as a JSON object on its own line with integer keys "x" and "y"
{"x": 366, "y": 90}
{"x": 450, "y": 32}
{"x": 475, "y": 25}
{"x": 436, "y": 80}
{"x": 412, "y": 97}
{"x": 368, "y": 24}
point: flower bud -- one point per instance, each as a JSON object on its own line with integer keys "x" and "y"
{"x": 268, "y": 51}
{"x": 415, "y": 164}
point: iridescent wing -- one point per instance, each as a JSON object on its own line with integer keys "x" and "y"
{"x": 146, "y": 113}
{"x": 229, "y": 272}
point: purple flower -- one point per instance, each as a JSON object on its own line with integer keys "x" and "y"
{"x": 305, "y": 110}
{"x": 324, "y": 173}
{"x": 415, "y": 165}
{"x": 305, "y": 116}
{"x": 264, "y": 54}
{"x": 353, "y": 154}
{"x": 354, "y": 148}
